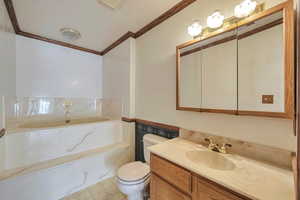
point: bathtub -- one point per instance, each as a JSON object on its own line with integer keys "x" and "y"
{"x": 51, "y": 160}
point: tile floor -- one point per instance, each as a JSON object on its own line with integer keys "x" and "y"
{"x": 105, "y": 190}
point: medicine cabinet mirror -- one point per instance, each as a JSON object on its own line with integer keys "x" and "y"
{"x": 244, "y": 68}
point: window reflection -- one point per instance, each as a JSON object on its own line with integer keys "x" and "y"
{"x": 44, "y": 107}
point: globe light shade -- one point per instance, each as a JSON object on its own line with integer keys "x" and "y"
{"x": 245, "y": 8}
{"x": 215, "y": 20}
{"x": 195, "y": 29}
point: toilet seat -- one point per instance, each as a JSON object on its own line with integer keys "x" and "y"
{"x": 145, "y": 180}
{"x": 133, "y": 173}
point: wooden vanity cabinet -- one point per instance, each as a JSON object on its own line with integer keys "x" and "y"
{"x": 206, "y": 190}
{"x": 161, "y": 189}
{"x": 172, "y": 182}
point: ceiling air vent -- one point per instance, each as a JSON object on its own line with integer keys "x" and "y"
{"x": 70, "y": 34}
{"x": 111, "y": 3}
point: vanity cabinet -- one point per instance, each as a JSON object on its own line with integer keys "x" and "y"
{"x": 161, "y": 189}
{"x": 172, "y": 182}
{"x": 176, "y": 175}
{"x": 208, "y": 191}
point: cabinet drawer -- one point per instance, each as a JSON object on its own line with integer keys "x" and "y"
{"x": 161, "y": 190}
{"x": 178, "y": 176}
{"x": 209, "y": 191}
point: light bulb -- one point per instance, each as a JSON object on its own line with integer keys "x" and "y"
{"x": 195, "y": 29}
{"x": 245, "y": 8}
{"x": 216, "y": 20}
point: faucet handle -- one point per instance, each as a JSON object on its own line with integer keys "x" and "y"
{"x": 227, "y": 145}
{"x": 224, "y": 147}
{"x": 209, "y": 140}
{"x": 211, "y": 145}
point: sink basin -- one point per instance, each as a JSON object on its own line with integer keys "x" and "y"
{"x": 210, "y": 159}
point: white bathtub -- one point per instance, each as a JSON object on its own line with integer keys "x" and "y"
{"x": 29, "y": 169}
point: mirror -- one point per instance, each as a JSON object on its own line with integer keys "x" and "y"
{"x": 208, "y": 74}
{"x": 243, "y": 68}
{"x": 261, "y": 71}
{"x": 191, "y": 79}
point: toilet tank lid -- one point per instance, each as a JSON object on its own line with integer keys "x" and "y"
{"x": 155, "y": 139}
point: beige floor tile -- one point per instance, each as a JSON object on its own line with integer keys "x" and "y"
{"x": 104, "y": 190}
{"x": 82, "y": 195}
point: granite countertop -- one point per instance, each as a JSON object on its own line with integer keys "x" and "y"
{"x": 253, "y": 179}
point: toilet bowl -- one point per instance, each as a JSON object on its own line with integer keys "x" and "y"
{"x": 133, "y": 178}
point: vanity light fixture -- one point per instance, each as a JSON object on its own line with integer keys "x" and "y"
{"x": 195, "y": 29}
{"x": 244, "y": 9}
{"x": 215, "y": 20}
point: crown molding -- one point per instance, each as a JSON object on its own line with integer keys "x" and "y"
{"x": 166, "y": 15}
{"x": 118, "y": 42}
{"x": 64, "y": 44}
{"x": 12, "y": 15}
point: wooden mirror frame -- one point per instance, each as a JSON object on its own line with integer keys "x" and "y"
{"x": 289, "y": 59}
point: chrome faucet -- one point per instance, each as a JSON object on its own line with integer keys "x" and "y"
{"x": 215, "y": 147}
{"x": 67, "y": 108}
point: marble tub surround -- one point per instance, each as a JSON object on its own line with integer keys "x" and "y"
{"x": 10, "y": 173}
{"x": 48, "y": 124}
{"x": 24, "y": 110}
{"x": 39, "y": 149}
{"x": 53, "y": 163}
{"x": 253, "y": 179}
{"x": 66, "y": 179}
{"x": 275, "y": 156}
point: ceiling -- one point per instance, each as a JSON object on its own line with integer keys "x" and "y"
{"x": 99, "y": 25}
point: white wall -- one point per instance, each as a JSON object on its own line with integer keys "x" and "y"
{"x": 7, "y": 55}
{"x": 119, "y": 76}
{"x": 7, "y": 66}
{"x": 45, "y": 69}
{"x": 156, "y": 83}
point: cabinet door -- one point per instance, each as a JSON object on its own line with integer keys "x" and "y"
{"x": 219, "y": 76}
{"x": 161, "y": 190}
{"x": 209, "y": 191}
{"x": 179, "y": 177}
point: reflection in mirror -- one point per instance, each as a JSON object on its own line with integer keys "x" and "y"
{"x": 208, "y": 73}
{"x": 261, "y": 65}
{"x": 190, "y": 80}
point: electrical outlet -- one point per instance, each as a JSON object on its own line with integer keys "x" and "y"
{"x": 267, "y": 99}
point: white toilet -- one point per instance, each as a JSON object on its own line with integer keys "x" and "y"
{"x": 133, "y": 178}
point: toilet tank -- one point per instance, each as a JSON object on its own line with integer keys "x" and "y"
{"x": 149, "y": 140}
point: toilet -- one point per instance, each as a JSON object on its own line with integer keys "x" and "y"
{"x": 133, "y": 178}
